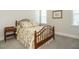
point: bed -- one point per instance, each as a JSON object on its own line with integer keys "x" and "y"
{"x": 32, "y": 35}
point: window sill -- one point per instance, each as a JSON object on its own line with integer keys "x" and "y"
{"x": 75, "y": 25}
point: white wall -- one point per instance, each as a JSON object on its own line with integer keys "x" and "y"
{"x": 8, "y": 17}
{"x": 64, "y": 26}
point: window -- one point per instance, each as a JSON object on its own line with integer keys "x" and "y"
{"x": 41, "y": 16}
{"x": 76, "y": 17}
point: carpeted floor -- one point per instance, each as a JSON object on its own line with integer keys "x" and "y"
{"x": 59, "y": 43}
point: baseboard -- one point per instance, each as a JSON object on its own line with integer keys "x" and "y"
{"x": 67, "y": 35}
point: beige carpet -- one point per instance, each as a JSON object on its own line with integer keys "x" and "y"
{"x": 59, "y": 43}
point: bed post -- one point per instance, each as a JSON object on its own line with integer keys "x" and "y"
{"x": 16, "y": 28}
{"x": 35, "y": 40}
{"x": 16, "y": 23}
{"x": 53, "y": 32}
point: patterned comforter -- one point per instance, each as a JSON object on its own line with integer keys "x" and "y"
{"x": 25, "y": 32}
{"x": 26, "y": 35}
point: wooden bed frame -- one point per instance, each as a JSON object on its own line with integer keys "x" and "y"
{"x": 41, "y": 34}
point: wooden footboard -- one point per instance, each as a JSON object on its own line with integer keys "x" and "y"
{"x": 45, "y": 34}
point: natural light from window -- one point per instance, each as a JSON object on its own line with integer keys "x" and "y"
{"x": 75, "y": 17}
{"x": 41, "y": 16}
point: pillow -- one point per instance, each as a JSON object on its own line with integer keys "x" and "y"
{"x": 24, "y": 24}
{"x": 27, "y": 20}
{"x": 34, "y": 23}
{"x": 27, "y": 23}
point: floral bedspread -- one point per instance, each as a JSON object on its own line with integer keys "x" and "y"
{"x": 26, "y": 35}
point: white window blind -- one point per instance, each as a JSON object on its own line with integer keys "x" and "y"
{"x": 75, "y": 17}
{"x": 41, "y": 16}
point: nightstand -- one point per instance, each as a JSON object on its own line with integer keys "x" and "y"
{"x": 9, "y": 31}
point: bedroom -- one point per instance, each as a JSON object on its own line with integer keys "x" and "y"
{"x": 66, "y": 31}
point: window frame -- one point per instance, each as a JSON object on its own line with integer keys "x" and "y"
{"x": 74, "y": 21}
{"x": 40, "y": 18}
